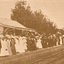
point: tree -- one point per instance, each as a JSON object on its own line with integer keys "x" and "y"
{"x": 22, "y": 13}
{"x": 61, "y": 31}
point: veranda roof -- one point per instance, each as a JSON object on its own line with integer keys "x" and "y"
{"x": 10, "y": 23}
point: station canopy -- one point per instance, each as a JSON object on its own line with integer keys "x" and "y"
{"x": 11, "y": 24}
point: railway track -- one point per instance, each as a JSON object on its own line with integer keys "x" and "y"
{"x": 56, "y": 60}
{"x": 52, "y": 59}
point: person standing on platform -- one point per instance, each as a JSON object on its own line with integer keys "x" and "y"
{"x": 38, "y": 44}
{"x": 4, "y": 49}
{"x": 8, "y": 45}
{"x": 17, "y": 44}
{"x": 45, "y": 42}
{"x": 60, "y": 40}
{"x": 24, "y": 43}
{"x": 12, "y": 44}
{"x": 21, "y": 49}
{"x": 28, "y": 44}
{"x": 63, "y": 39}
{"x": 0, "y": 45}
{"x": 54, "y": 40}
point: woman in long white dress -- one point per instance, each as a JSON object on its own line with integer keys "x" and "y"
{"x": 4, "y": 49}
{"x": 8, "y": 46}
{"x": 60, "y": 40}
{"x": 22, "y": 45}
{"x": 17, "y": 45}
{"x": 39, "y": 45}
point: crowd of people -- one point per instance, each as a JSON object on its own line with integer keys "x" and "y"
{"x": 51, "y": 40}
{"x": 12, "y": 45}
{"x": 31, "y": 41}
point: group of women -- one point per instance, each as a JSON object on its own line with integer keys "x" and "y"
{"x": 12, "y": 45}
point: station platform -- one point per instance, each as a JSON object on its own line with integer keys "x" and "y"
{"x": 31, "y": 57}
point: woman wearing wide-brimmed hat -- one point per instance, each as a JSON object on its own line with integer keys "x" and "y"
{"x": 4, "y": 49}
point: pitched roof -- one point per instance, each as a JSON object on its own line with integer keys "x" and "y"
{"x": 10, "y": 23}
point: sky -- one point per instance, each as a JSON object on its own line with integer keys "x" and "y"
{"x": 53, "y": 9}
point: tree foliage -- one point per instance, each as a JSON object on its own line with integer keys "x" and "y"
{"x": 61, "y": 31}
{"x": 22, "y": 13}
